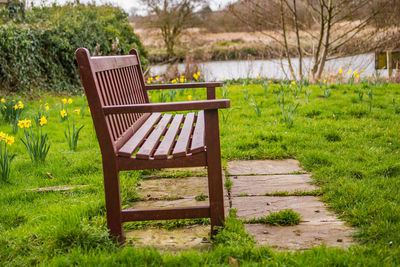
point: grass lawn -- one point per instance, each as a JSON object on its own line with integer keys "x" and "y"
{"x": 351, "y": 150}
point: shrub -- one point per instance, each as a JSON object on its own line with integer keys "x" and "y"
{"x": 40, "y": 52}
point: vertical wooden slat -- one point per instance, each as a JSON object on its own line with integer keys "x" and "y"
{"x": 120, "y": 99}
{"x": 112, "y": 101}
{"x": 131, "y": 92}
{"x": 124, "y": 90}
{"x": 136, "y": 83}
{"x": 110, "y": 122}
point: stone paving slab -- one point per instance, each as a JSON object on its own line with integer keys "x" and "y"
{"x": 259, "y": 185}
{"x": 253, "y": 179}
{"x": 164, "y": 188}
{"x": 311, "y": 209}
{"x": 190, "y": 237}
{"x": 254, "y": 167}
{"x": 302, "y": 236}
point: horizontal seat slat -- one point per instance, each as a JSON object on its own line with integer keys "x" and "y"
{"x": 130, "y": 146}
{"x": 165, "y": 147}
{"x": 198, "y": 134}
{"x": 113, "y": 62}
{"x": 149, "y": 145}
{"x": 165, "y": 214}
{"x": 182, "y": 144}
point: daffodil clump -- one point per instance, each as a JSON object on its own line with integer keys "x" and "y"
{"x": 64, "y": 108}
{"x": 11, "y": 111}
{"x": 36, "y": 142}
{"x": 196, "y": 75}
{"x": 42, "y": 114}
{"x": 72, "y": 133}
{"x": 5, "y": 156}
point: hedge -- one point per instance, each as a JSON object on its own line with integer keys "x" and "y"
{"x": 38, "y": 53}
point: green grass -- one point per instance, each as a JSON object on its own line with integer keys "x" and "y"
{"x": 352, "y": 153}
{"x": 283, "y": 218}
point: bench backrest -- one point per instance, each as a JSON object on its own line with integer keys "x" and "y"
{"x": 113, "y": 80}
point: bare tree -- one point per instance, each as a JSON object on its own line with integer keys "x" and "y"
{"x": 339, "y": 22}
{"x": 171, "y": 17}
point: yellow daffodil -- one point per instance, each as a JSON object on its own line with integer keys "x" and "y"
{"x": 77, "y": 111}
{"x": 223, "y": 78}
{"x": 258, "y": 77}
{"x": 89, "y": 111}
{"x": 355, "y": 73}
{"x": 340, "y": 71}
{"x": 24, "y": 123}
{"x": 20, "y": 105}
{"x": 269, "y": 81}
{"x": 195, "y": 76}
{"x": 10, "y": 140}
{"x": 182, "y": 79}
{"x": 349, "y": 71}
{"x": 362, "y": 70}
{"x": 293, "y": 83}
{"x": 27, "y": 123}
{"x": 46, "y": 107}
{"x": 43, "y": 121}
{"x": 325, "y": 80}
{"x": 64, "y": 101}
{"x": 16, "y": 107}
{"x": 63, "y": 113}
{"x": 157, "y": 77}
{"x": 69, "y": 101}
{"x": 189, "y": 97}
{"x": 357, "y": 76}
{"x": 3, "y": 100}
{"x": 20, "y": 124}
{"x": 174, "y": 81}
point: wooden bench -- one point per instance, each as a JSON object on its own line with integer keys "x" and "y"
{"x": 134, "y": 134}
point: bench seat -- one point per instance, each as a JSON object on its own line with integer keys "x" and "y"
{"x": 164, "y": 136}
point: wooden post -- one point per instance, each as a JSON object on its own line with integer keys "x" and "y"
{"x": 389, "y": 63}
{"x": 215, "y": 185}
{"x": 113, "y": 199}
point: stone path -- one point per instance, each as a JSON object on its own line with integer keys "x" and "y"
{"x": 258, "y": 188}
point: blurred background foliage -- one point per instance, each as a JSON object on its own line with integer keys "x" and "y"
{"x": 37, "y": 46}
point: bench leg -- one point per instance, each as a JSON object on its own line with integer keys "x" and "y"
{"x": 113, "y": 199}
{"x": 215, "y": 184}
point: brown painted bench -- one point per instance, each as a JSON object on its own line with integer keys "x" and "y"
{"x": 134, "y": 134}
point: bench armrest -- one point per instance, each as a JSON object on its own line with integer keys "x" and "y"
{"x": 164, "y": 107}
{"x": 210, "y": 87}
{"x": 182, "y": 85}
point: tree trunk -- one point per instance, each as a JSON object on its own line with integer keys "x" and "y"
{"x": 283, "y": 24}
{"x": 326, "y": 42}
{"x": 299, "y": 50}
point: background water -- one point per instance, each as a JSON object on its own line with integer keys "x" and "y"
{"x": 218, "y": 70}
